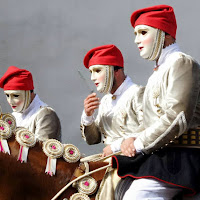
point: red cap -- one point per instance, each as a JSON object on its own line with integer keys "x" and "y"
{"x": 104, "y": 55}
{"x": 17, "y": 79}
{"x": 160, "y": 16}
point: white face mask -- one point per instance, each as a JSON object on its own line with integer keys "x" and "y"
{"x": 19, "y": 100}
{"x": 103, "y": 76}
{"x": 150, "y": 41}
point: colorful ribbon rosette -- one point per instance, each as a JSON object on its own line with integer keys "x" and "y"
{"x": 10, "y": 119}
{"x": 79, "y": 196}
{"x": 71, "y": 153}
{"x": 26, "y": 139}
{"x": 53, "y": 150}
{"x": 87, "y": 185}
{"x": 19, "y": 128}
{"x": 5, "y": 133}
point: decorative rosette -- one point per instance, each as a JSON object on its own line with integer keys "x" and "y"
{"x": 53, "y": 150}
{"x": 79, "y": 196}
{"x": 5, "y": 130}
{"x": 10, "y": 119}
{"x": 26, "y": 139}
{"x": 5, "y": 133}
{"x": 19, "y": 128}
{"x": 71, "y": 153}
{"x": 87, "y": 185}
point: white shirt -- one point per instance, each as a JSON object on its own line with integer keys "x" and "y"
{"x": 25, "y": 118}
{"x": 109, "y": 109}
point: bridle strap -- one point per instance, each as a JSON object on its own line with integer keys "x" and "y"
{"x": 98, "y": 157}
{"x": 93, "y": 158}
{"x": 78, "y": 178}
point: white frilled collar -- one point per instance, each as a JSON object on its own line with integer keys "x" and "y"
{"x": 123, "y": 87}
{"x": 167, "y": 51}
{"x": 35, "y": 105}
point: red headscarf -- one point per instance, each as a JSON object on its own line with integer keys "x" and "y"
{"x": 159, "y": 16}
{"x": 104, "y": 55}
{"x": 17, "y": 79}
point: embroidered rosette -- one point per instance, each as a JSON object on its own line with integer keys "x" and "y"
{"x": 5, "y": 133}
{"x": 10, "y": 119}
{"x": 53, "y": 150}
{"x": 79, "y": 196}
{"x": 26, "y": 139}
{"x": 5, "y": 130}
{"x": 19, "y": 128}
{"x": 71, "y": 153}
{"x": 87, "y": 185}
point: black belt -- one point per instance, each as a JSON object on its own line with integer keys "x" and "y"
{"x": 190, "y": 139}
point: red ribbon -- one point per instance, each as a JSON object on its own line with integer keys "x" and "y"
{"x": 1, "y": 147}
{"x": 20, "y": 154}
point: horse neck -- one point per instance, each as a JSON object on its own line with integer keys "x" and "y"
{"x": 32, "y": 174}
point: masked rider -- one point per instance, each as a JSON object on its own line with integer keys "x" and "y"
{"x": 119, "y": 111}
{"x": 163, "y": 160}
{"x": 30, "y": 112}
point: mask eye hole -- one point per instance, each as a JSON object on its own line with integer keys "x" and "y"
{"x": 98, "y": 71}
{"x": 143, "y": 32}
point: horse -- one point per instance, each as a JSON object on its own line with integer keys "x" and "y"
{"x": 28, "y": 181}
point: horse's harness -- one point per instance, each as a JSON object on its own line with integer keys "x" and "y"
{"x": 83, "y": 177}
{"x": 85, "y": 184}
